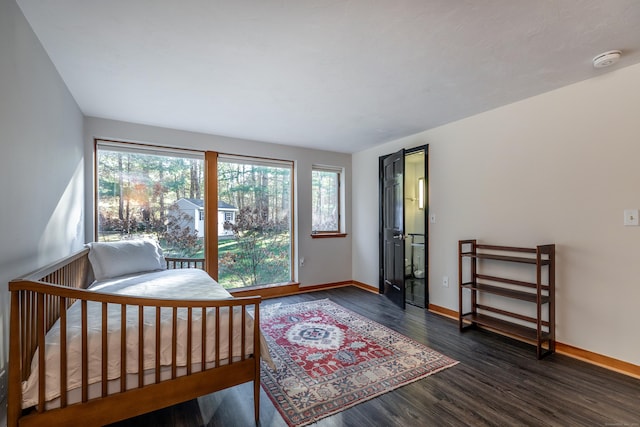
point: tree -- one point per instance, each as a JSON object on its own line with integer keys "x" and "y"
{"x": 262, "y": 248}
{"x": 259, "y": 252}
{"x": 180, "y": 239}
{"x": 136, "y": 190}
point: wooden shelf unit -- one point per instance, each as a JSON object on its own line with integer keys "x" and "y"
{"x": 540, "y": 293}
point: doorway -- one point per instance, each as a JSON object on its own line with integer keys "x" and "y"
{"x": 403, "y": 227}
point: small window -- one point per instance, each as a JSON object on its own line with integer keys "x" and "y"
{"x": 201, "y": 211}
{"x": 228, "y": 216}
{"x": 326, "y": 196}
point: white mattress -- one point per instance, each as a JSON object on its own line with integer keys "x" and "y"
{"x": 170, "y": 284}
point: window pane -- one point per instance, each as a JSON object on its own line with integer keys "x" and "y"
{"x": 325, "y": 201}
{"x": 254, "y": 223}
{"x": 151, "y": 195}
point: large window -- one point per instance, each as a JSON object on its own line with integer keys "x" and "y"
{"x": 325, "y": 194}
{"x": 255, "y": 208}
{"x": 151, "y": 192}
{"x": 160, "y": 193}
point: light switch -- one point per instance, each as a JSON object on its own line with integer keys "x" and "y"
{"x": 631, "y": 217}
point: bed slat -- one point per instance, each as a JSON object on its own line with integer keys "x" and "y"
{"x": 63, "y": 354}
{"x": 230, "y": 352}
{"x": 217, "y": 335}
{"x": 41, "y": 353}
{"x": 174, "y": 343}
{"x": 189, "y": 338}
{"x": 85, "y": 353}
{"x": 256, "y": 362}
{"x": 157, "y": 328}
{"x": 140, "y": 346}
{"x": 123, "y": 348}
{"x": 204, "y": 338}
{"x": 105, "y": 349}
{"x": 243, "y": 332}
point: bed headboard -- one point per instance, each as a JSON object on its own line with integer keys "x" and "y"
{"x": 73, "y": 271}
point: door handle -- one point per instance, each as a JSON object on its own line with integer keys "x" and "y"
{"x": 399, "y": 236}
{"x": 396, "y": 287}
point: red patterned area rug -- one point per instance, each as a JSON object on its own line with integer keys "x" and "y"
{"x": 329, "y": 358}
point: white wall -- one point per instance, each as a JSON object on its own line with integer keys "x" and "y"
{"x": 556, "y": 168}
{"x": 42, "y": 191}
{"x": 326, "y": 260}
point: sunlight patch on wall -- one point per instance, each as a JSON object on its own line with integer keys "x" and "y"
{"x": 64, "y": 232}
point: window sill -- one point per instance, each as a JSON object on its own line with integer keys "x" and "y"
{"x": 266, "y": 291}
{"x": 327, "y": 235}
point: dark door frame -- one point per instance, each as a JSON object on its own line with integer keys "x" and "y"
{"x": 407, "y": 151}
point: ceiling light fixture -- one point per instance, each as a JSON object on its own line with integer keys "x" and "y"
{"x": 606, "y": 59}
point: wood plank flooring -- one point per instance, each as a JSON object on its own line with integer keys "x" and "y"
{"x": 498, "y": 382}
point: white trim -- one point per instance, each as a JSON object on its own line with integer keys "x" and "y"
{"x": 326, "y": 168}
{"x": 136, "y": 148}
{"x": 255, "y": 161}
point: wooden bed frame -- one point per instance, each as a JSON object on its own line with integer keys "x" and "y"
{"x": 39, "y": 299}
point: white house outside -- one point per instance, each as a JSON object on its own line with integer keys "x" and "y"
{"x": 226, "y": 214}
{"x": 194, "y": 209}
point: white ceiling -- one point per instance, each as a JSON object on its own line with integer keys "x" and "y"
{"x": 340, "y": 75}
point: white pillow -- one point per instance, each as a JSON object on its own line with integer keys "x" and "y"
{"x": 112, "y": 259}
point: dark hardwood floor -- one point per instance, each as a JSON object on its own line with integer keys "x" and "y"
{"x": 498, "y": 382}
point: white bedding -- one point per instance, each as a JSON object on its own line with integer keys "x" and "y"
{"x": 170, "y": 284}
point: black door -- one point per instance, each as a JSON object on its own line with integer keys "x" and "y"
{"x": 392, "y": 227}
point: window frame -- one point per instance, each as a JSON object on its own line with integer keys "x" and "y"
{"x": 340, "y": 198}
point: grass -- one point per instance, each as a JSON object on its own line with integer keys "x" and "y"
{"x": 269, "y": 270}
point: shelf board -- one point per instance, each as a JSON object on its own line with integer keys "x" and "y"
{"x": 505, "y": 292}
{"x": 511, "y": 281}
{"x": 509, "y": 258}
{"x": 504, "y": 326}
